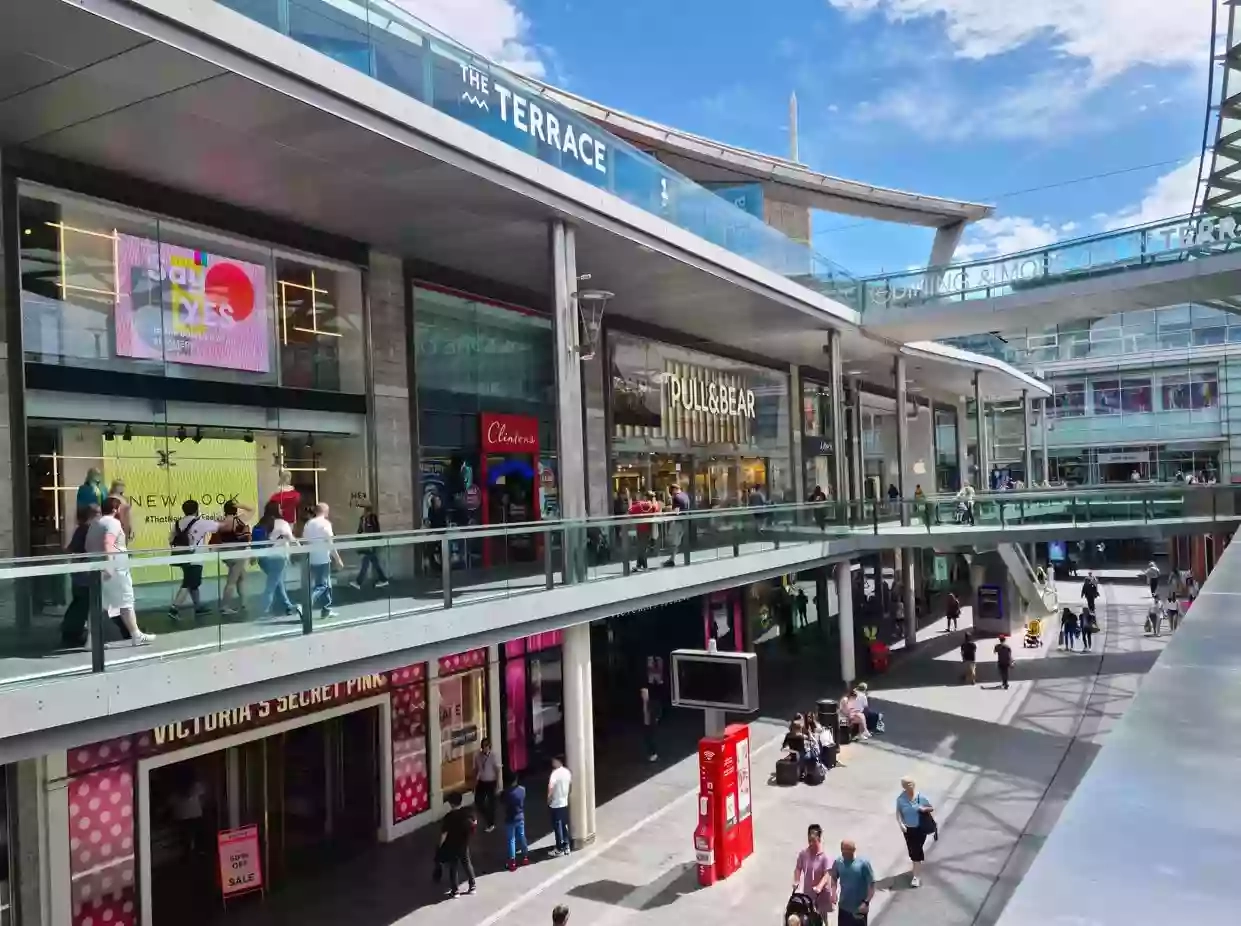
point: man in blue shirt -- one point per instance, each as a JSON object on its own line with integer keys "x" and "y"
{"x": 854, "y": 881}
{"x": 514, "y": 801}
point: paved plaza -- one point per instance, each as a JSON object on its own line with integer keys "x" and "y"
{"x": 998, "y": 765}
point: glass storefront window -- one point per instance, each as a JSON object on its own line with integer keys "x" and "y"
{"x": 680, "y": 415}
{"x": 6, "y": 889}
{"x": 107, "y": 287}
{"x": 463, "y": 726}
{"x": 1189, "y": 391}
{"x": 1069, "y": 400}
{"x": 162, "y": 465}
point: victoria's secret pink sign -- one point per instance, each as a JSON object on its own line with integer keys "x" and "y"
{"x": 510, "y": 434}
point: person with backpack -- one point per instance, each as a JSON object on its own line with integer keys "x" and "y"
{"x": 1087, "y": 625}
{"x": 276, "y": 536}
{"x": 189, "y": 534}
{"x": 73, "y": 631}
{"x": 514, "y": 801}
{"x": 644, "y": 508}
{"x": 969, "y": 659}
{"x": 234, "y": 529}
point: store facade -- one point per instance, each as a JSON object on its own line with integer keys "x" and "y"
{"x": 817, "y": 440}
{"x": 180, "y": 357}
{"x": 717, "y": 427}
{"x": 487, "y": 419}
{"x": 533, "y": 701}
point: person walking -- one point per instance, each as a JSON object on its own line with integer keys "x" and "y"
{"x": 454, "y": 849}
{"x": 1151, "y": 574}
{"x": 73, "y": 626}
{"x": 969, "y": 658}
{"x": 318, "y": 534}
{"x": 952, "y": 610}
{"x": 514, "y": 802}
{"x": 1087, "y": 626}
{"x": 650, "y": 721}
{"x": 277, "y": 536}
{"x": 1173, "y": 611}
{"x": 818, "y": 498}
{"x": 812, "y": 872}
{"x": 965, "y": 505}
{"x": 559, "y": 786}
{"x": 107, "y": 535}
{"x": 486, "y": 779}
{"x": 560, "y": 915}
{"x": 676, "y": 527}
{"x": 1069, "y": 628}
{"x": 1154, "y": 617}
{"x": 369, "y": 524}
{"x": 1090, "y": 590}
{"x": 123, "y": 513}
{"x": 644, "y": 507}
{"x": 189, "y": 535}
{"x": 853, "y": 883}
{"x": 914, "y": 814}
{"x": 234, "y": 529}
{"x": 1004, "y": 659}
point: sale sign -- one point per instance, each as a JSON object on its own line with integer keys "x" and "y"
{"x": 240, "y": 870}
{"x": 181, "y": 305}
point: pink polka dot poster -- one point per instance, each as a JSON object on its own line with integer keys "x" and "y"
{"x": 101, "y": 847}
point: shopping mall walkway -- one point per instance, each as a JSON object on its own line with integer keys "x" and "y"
{"x": 998, "y": 764}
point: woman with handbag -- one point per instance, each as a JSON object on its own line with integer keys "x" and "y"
{"x": 914, "y": 813}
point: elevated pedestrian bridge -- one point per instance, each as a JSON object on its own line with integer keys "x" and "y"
{"x": 1194, "y": 258}
{"x": 543, "y": 576}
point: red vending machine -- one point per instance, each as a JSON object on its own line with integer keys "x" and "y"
{"x": 725, "y": 833}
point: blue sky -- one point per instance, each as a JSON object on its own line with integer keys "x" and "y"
{"x": 962, "y": 98}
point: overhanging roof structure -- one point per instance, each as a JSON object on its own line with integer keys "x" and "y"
{"x": 709, "y": 161}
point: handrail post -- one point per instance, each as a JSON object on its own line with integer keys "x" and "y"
{"x": 688, "y": 533}
{"x": 624, "y": 548}
{"x": 96, "y": 623}
{"x": 1003, "y": 519}
{"x": 549, "y": 566}
{"x": 446, "y": 570}
{"x": 308, "y": 594}
{"x": 874, "y": 516}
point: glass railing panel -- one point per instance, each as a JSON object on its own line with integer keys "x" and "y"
{"x": 1165, "y": 241}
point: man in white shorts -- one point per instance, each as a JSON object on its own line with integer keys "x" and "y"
{"x": 107, "y": 535}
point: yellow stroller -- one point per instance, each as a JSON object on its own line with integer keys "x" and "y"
{"x": 1034, "y": 633}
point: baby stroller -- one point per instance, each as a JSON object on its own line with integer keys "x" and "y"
{"x": 1034, "y": 633}
{"x": 802, "y": 905}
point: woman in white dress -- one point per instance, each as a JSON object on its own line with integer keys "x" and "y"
{"x": 107, "y": 535}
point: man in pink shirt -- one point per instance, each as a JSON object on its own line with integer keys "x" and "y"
{"x": 812, "y": 874}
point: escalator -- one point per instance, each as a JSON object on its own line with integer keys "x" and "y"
{"x": 1040, "y": 599}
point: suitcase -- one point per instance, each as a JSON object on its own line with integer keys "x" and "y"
{"x": 787, "y": 771}
{"x": 816, "y": 774}
{"x": 829, "y": 756}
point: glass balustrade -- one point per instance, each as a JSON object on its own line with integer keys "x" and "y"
{"x": 384, "y": 41}
{"x": 1169, "y": 240}
{"x": 66, "y": 615}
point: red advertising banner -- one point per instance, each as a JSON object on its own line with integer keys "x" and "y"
{"x": 240, "y": 868}
{"x": 510, "y": 434}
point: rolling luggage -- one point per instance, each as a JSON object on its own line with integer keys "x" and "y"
{"x": 815, "y": 774}
{"x": 787, "y": 771}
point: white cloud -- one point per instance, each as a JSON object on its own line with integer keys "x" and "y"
{"x": 496, "y": 29}
{"x": 1112, "y": 36}
{"x": 1044, "y": 106}
{"x": 1170, "y": 195}
{"x": 1005, "y": 235}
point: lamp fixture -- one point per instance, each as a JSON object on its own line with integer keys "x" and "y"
{"x": 182, "y": 434}
{"x": 109, "y": 433}
{"x": 310, "y": 441}
{"x": 198, "y": 435}
{"x": 248, "y": 437}
{"x": 591, "y": 304}
{"x": 128, "y": 434}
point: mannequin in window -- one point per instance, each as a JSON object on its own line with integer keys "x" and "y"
{"x": 91, "y": 491}
{"x": 287, "y": 497}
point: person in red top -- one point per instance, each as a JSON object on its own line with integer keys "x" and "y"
{"x": 643, "y": 508}
{"x": 288, "y": 498}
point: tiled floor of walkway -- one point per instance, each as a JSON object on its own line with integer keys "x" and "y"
{"x": 998, "y": 764}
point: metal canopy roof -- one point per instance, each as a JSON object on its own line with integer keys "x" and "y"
{"x": 709, "y": 161}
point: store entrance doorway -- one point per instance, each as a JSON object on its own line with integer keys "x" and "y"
{"x": 312, "y": 791}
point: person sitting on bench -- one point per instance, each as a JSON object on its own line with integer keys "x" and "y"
{"x": 853, "y": 709}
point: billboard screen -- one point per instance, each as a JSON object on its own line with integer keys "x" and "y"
{"x": 182, "y": 305}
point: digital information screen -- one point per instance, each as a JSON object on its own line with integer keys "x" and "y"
{"x": 717, "y": 681}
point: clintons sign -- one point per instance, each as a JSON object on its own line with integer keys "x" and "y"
{"x": 510, "y": 434}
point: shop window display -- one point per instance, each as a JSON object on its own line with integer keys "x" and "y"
{"x": 161, "y": 466}
{"x": 463, "y": 726}
{"x": 718, "y": 428}
{"x": 106, "y": 287}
